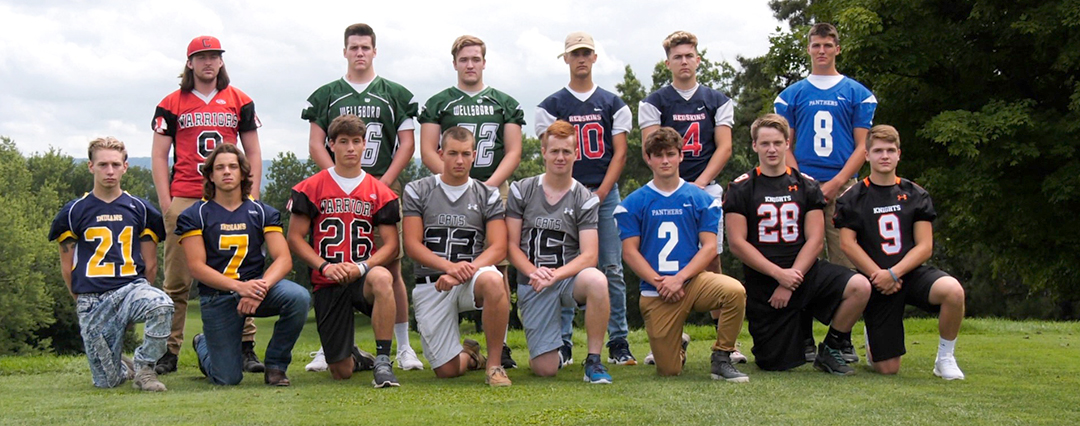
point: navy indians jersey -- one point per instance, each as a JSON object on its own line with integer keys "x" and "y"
{"x": 234, "y": 240}
{"x": 197, "y": 124}
{"x": 107, "y": 240}
{"x": 455, "y": 219}
{"x": 551, "y": 234}
{"x": 485, "y": 114}
{"x": 343, "y": 222}
{"x": 668, "y": 225}
{"x": 883, "y": 217}
{"x": 695, "y": 118}
{"x": 824, "y": 113}
{"x": 775, "y": 209}
{"x": 597, "y": 117}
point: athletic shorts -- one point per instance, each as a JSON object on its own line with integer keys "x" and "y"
{"x": 334, "y": 307}
{"x": 541, "y": 312}
{"x": 437, "y": 314}
{"x": 884, "y": 315}
{"x": 717, "y": 192}
{"x": 778, "y": 336}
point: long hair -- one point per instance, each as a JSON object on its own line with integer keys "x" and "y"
{"x": 187, "y": 79}
{"x": 207, "y": 168}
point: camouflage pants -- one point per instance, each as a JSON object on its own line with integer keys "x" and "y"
{"x": 103, "y": 318}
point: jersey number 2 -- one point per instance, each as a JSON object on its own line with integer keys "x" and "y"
{"x": 97, "y": 266}
{"x": 786, "y": 217}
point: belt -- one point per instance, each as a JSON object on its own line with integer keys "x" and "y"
{"x": 430, "y": 279}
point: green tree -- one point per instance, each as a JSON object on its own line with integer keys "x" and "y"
{"x": 286, "y": 171}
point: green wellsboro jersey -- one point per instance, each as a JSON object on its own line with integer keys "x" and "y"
{"x": 384, "y": 106}
{"x": 484, "y": 114}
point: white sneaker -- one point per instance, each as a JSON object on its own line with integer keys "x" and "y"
{"x": 947, "y": 369}
{"x": 318, "y": 363}
{"x": 649, "y": 360}
{"x": 737, "y": 357}
{"x": 407, "y": 360}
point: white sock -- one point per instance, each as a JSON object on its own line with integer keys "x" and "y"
{"x": 506, "y": 334}
{"x": 401, "y": 334}
{"x": 945, "y": 348}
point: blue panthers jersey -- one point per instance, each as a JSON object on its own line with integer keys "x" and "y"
{"x": 668, "y": 225}
{"x": 824, "y": 121}
{"x": 107, "y": 240}
{"x": 596, "y": 119}
{"x": 695, "y": 119}
{"x": 233, "y": 239}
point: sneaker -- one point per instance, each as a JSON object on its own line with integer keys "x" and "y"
{"x": 830, "y": 360}
{"x": 869, "y": 359}
{"x": 166, "y": 364}
{"x": 384, "y": 374}
{"x": 685, "y": 344}
{"x": 737, "y": 357}
{"x": 947, "y": 369}
{"x": 566, "y": 355}
{"x": 619, "y": 352}
{"x": 649, "y": 359}
{"x": 496, "y": 377}
{"x": 596, "y": 373}
{"x": 318, "y": 361}
{"x": 472, "y": 349}
{"x": 849, "y": 354}
{"x": 364, "y": 360}
{"x": 723, "y": 370}
{"x": 251, "y": 361}
{"x": 407, "y": 360}
{"x": 146, "y": 379}
{"x": 129, "y": 367}
{"x": 275, "y": 377}
{"x": 195, "y": 342}
{"x": 507, "y": 361}
{"x": 809, "y": 350}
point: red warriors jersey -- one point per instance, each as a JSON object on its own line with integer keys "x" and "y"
{"x": 775, "y": 209}
{"x": 197, "y": 125}
{"x": 343, "y": 223}
{"x": 883, "y": 217}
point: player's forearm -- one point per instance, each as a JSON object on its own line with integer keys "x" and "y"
{"x": 159, "y": 169}
{"x": 299, "y": 246}
{"x": 913, "y": 259}
{"x": 698, "y": 263}
{"x": 429, "y": 147}
{"x": 317, "y": 147}
{"x": 506, "y": 168}
{"x": 852, "y": 166}
{"x": 419, "y": 252}
{"x": 637, "y": 261}
{"x": 584, "y": 260}
{"x": 203, "y": 273}
{"x": 278, "y": 249}
{"x": 148, "y": 250}
{"x": 750, "y": 256}
{"x": 491, "y": 255}
{"x": 67, "y": 260}
{"x": 850, "y": 246}
{"x": 520, "y": 260}
{"x": 615, "y": 168}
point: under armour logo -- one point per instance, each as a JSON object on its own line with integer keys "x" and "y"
{"x": 793, "y": 188}
{"x": 901, "y": 197}
{"x": 473, "y": 207}
{"x": 568, "y": 211}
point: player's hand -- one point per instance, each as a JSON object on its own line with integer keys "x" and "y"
{"x": 165, "y": 203}
{"x": 253, "y": 289}
{"x": 601, "y": 194}
{"x": 830, "y": 188}
{"x": 789, "y": 278}
{"x": 463, "y": 271}
{"x": 780, "y": 298}
{"x": 247, "y": 306}
{"x": 340, "y": 272}
{"x": 539, "y": 284}
{"x": 446, "y": 282}
{"x": 883, "y": 282}
{"x": 670, "y": 287}
{"x": 700, "y": 184}
{"x": 542, "y": 273}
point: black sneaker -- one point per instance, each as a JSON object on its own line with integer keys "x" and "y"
{"x": 849, "y": 354}
{"x": 194, "y": 344}
{"x": 566, "y": 355}
{"x": 507, "y": 362}
{"x": 251, "y": 361}
{"x": 166, "y": 364}
{"x": 619, "y": 352}
{"x": 363, "y": 361}
{"x": 723, "y": 370}
{"x": 384, "y": 374}
{"x": 830, "y": 360}
{"x": 810, "y": 350}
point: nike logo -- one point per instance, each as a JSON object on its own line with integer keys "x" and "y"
{"x": 840, "y": 98}
{"x": 597, "y": 109}
{"x": 687, "y": 205}
{"x": 701, "y": 108}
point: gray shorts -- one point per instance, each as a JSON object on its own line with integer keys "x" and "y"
{"x": 540, "y": 313}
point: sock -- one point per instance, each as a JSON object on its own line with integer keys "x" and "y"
{"x": 592, "y": 359}
{"x": 247, "y": 346}
{"x": 837, "y": 339}
{"x": 382, "y": 347}
{"x": 401, "y": 334}
{"x": 945, "y": 348}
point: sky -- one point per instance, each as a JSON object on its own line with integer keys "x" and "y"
{"x": 71, "y": 71}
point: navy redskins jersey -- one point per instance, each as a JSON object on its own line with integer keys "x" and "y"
{"x": 343, "y": 223}
{"x": 596, "y": 119}
{"x": 883, "y": 217}
{"x": 775, "y": 209}
{"x": 197, "y": 125}
{"x": 695, "y": 119}
{"x": 107, "y": 240}
{"x": 233, "y": 240}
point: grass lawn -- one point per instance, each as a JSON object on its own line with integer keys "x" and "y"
{"x": 1017, "y": 373}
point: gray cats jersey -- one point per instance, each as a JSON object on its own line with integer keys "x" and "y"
{"x": 454, "y": 230}
{"x": 550, "y": 233}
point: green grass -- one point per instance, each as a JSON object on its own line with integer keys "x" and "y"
{"x": 1017, "y": 373}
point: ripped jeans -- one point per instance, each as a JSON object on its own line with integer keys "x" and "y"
{"x": 103, "y": 318}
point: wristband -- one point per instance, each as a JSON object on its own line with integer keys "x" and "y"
{"x": 323, "y": 266}
{"x": 891, "y": 274}
{"x": 363, "y": 268}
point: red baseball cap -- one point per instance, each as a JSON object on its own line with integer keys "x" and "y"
{"x": 202, "y": 44}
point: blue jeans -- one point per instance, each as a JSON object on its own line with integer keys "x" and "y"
{"x": 220, "y": 350}
{"x": 103, "y": 318}
{"x": 610, "y": 263}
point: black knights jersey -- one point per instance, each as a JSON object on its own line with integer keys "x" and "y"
{"x": 775, "y": 209}
{"x": 883, "y": 217}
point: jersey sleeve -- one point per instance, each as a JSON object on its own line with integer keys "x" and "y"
{"x": 315, "y": 108}
{"x": 513, "y": 113}
{"x": 735, "y": 199}
{"x": 623, "y": 119}
{"x": 189, "y": 224}
{"x": 628, "y": 218}
{"x": 389, "y": 214}
{"x": 515, "y": 204}
{"x": 711, "y": 213}
{"x": 648, "y": 114}
{"x": 588, "y": 214}
{"x": 783, "y": 105}
{"x": 299, "y": 203}
{"x": 544, "y": 119}
{"x": 61, "y": 226}
{"x": 725, "y": 114}
{"x": 406, "y": 110}
{"x": 924, "y": 211}
{"x": 164, "y": 122}
{"x": 155, "y": 224}
{"x": 248, "y": 120}
{"x": 430, "y": 112}
{"x": 863, "y": 116}
{"x": 411, "y": 204}
{"x": 493, "y": 206}
{"x": 847, "y": 215}
{"x": 815, "y": 199}
{"x": 272, "y": 222}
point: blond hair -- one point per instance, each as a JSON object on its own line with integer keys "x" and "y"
{"x": 466, "y": 41}
{"x": 772, "y": 121}
{"x": 106, "y": 142}
{"x": 678, "y": 38}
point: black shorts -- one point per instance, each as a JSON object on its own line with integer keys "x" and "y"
{"x": 884, "y": 315}
{"x": 334, "y": 307}
{"x": 778, "y": 336}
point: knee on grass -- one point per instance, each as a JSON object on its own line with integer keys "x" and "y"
{"x": 887, "y": 367}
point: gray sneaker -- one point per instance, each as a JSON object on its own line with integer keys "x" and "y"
{"x": 830, "y": 360}
{"x": 146, "y": 379}
{"x": 384, "y": 374}
{"x": 723, "y": 370}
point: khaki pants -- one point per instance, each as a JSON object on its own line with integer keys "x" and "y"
{"x": 178, "y": 279}
{"x": 706, "y": 292}
{"x": 832, "y": 251}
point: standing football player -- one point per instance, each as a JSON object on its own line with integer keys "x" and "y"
{"x": 600, "y": 121}
{"x": 775, "y": 226}
{"x": 226, "y": 237}
{"x": 886, "y": 227}
{"x": 108, "y": 246}
{"x": 205, "y": 112}
{"x": 387, "y": 109}
{"x": 449, "y": 219}
{"x": 551, "y": 223}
